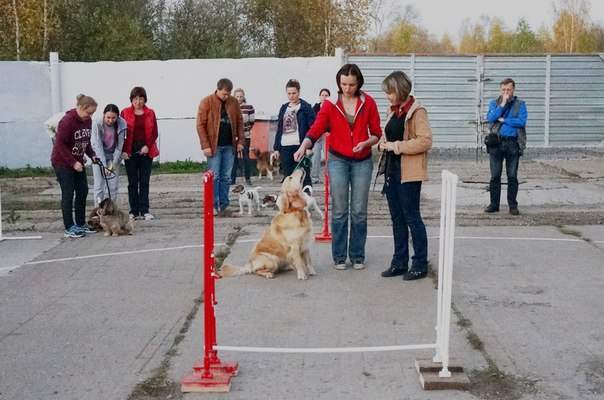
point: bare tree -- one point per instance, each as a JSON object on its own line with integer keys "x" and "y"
{"x": 17, "y": 38}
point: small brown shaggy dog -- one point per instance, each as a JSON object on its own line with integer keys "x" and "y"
{"x": 266, "y": 164}
{"x": 113, "y": 221}
{"x": 285, "y": 243}
{"x": 94, "y": 221}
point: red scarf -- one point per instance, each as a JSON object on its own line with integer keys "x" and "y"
{"x": 399, "y": 110}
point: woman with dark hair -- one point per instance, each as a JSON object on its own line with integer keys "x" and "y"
{"x": 67, "y": 159}
{"x": 295, "y": 118}
{"x": 140, "y": 148}
{"x": 354, "y": 126}
{"x": 315, "y": 171}
{"x": 404, "y": 162}
{"x": 108, "y": 134}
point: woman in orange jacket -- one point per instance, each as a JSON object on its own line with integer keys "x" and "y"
{"x": 407, "y": 139}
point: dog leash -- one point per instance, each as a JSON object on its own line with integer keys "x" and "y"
{"x": 305, "y": 162}
{"x": 104, "y": 174}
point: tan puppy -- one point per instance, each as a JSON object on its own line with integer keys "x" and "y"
{"x": 285, "y": 243}
{"x": 114, "y": 221}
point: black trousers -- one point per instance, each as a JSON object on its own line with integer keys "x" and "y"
{"x": 72, "y": 182}
{"x": 508, "y": 151}
{"x": 138, "y": 168}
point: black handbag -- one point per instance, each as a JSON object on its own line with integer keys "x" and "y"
{"x": 492, "y": 139}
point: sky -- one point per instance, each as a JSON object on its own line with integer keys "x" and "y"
{"x": 442, "y": 16}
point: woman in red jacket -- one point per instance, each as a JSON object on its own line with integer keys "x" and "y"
{"x": 354, "y": 123}
{"x": 140, "y": 148}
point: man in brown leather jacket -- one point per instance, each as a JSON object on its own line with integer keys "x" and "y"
{"x": 220, "y": 130}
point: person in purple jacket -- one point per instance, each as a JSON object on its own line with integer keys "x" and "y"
{"x": 67, "y": 159}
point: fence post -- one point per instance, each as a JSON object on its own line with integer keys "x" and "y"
{"x": 412, "y": 72}
{"x": 548, "y": 84}
{"x": 1, "y": 238}
{"x": 55, "y": 83}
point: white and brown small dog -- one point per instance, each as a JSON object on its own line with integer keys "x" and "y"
{"x": 311, "y": 202}
{"x": 266, "y": 163}
{"x": 113, "y": 221}
{"x": 269, "y": 201}
{"x": 248, "y": 196}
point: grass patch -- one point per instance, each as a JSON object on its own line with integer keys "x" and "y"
{"x": 27, "y": 172}
{"x": 474, "y": 341}
{"x": 464, "y": 323}
{"x": 568, "y": 231}
{"x": 493, "y": 384}
{"x": 180, "y": 167}
{"x": 32, "y": 205}
{"x": 169, "y": 167}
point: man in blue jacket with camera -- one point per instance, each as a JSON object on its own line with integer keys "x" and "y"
{"x": 507, "y": 117}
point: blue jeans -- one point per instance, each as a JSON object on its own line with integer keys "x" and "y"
{"x": 222, "y": 164}
{"x": 349, "y": 182}
{"x": 509, "y": 151}
{"x": 403, "y": 202}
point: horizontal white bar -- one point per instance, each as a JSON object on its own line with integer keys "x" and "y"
{"x": 21, "y": 237}
{"x": 245, "y": 349}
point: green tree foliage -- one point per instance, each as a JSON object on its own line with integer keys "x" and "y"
{"x": 524, "y": 40}
{"x": 572, "y": 28}
{"x": 91, "y": 30}
{"x": 408, "y": 36}
{"x": 499, "y": 38}
{"x": 205, "y": 29}
{"x": 106, "y": 30}
{"x": 310, "y": 27}
{"x": 474, "y": 36}
{"x": 26, "y": 28}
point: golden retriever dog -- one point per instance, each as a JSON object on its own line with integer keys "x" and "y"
{"x": 113, "y": 221}
{"x": 285, "y": 243}
{"x": 266, "y": 164}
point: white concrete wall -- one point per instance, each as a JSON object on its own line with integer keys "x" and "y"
{"x": 175, "y": 87}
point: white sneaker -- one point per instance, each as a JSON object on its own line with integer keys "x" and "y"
{"x": 148, "y": 216}
{"x": 131, "y": 217}
{"x": 358, "y": 266}
{"x": 340, "y": 267}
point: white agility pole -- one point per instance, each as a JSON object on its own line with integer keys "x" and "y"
{"x": 13, "y": 237}
{"x": 445, "y": 283}
{"x": 446, "y": 243}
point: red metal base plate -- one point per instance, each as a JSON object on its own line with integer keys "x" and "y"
{"x": 228, "y": 368}
{"x": 323, "y": 238}
{"x": 196, "y": 382}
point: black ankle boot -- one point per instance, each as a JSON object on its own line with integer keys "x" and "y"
{"x": 414, "y": 274}
{"x": 393, "y": 271}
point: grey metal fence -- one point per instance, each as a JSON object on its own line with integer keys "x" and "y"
{"x": 564, "y": 94}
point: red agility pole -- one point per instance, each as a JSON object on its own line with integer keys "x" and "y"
{"x": 210, "y": 374}
{"x": 325, "y": 235}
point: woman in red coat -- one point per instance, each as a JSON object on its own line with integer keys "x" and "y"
{"x": 140, "y": 148}
{"x": 354, "y": 126}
